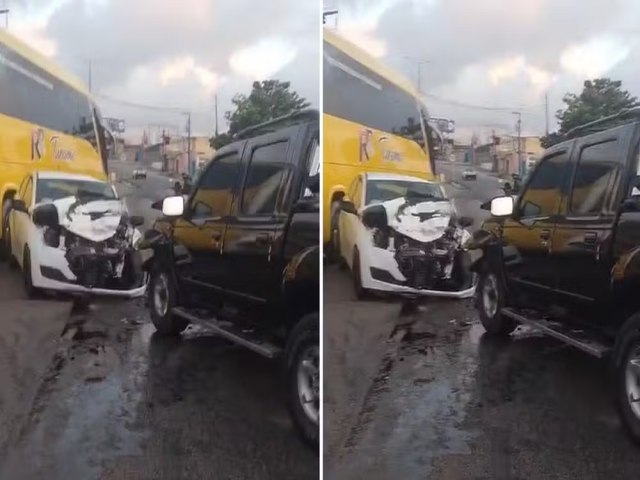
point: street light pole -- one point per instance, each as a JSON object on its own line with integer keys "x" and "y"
{"x": 519, "y": 128}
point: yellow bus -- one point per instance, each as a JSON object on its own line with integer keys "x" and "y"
{"x": 373, "y": 121}
{"x": 48, "y": 121}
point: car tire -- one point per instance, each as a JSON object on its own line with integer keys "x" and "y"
{"x": 4, "y": 246}
{"x": 627, "y": 376}
{"x": 162, "y": 299}
{"x": 490, "y": 299}
{"x": 334, "y": 249}
{"x": 30, "y": 290}
{"x": 356, "y": 272}
{"x": 302, "y": 355}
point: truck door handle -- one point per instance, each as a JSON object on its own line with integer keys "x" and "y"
{"x": 590, "y": 238}
{"x": 544, "y": 235}
{"x": 216, "y": 236}
{"x": 263, "y": 238}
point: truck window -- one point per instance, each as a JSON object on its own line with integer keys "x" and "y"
{"x": 596, "y": 168}
{"x": 267, "y": 177}
{"x": 213, "y": 195}
{"x": 544, "y": 192}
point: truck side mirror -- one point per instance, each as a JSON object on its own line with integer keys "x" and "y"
{"x": 502, "y": 206}
{"x": 173, "y": 206}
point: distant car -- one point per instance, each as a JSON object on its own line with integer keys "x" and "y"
{"x": 139, "y": 173}
{"x": 469, "y": 174}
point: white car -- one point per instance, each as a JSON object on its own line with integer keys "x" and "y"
{"x": 72, "y": 233}
{"x": 139, "y": 173}
{"x": 469, "y": 174}
{"x": 401, "y": 234}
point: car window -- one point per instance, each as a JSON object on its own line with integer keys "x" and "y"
{"x": 268, "y": 177}
{"x": 212, "y": 197}
{"x": 596, "y": 167}
{"x": 544, "y": 192}
{"x": 27, "y": 196}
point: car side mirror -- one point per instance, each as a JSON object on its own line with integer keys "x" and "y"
{"x": 46, "y": 216}
{"x": 136, "y": 220}
{"x": 502, "y": 206}
{"x": 465, "y": 222}
{"x": 173, "y": 206}
{"x": 348, "y": 206}
{"x": 375, "y": 216}
{"x": 19, "y": 205}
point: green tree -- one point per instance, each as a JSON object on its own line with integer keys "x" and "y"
{"x": 268, "y": 99}
{"x": 600, "y": 97}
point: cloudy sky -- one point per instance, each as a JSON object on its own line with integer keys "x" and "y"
{"x": 171, "y": 53}
{"x": 503, "y": 54}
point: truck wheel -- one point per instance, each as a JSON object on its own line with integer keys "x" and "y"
{"x": 303, "y": 378}
{"x": 162, "y": 298}
{"x": 627, "y": 375}
{"x": 490, "y": 300}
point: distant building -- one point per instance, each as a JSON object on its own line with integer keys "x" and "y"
{"x": 501, "y": 155}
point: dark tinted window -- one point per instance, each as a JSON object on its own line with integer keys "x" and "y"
{"x": 544, "y": 192}
{"x": 33, "y": 95}
{"x": 213, "y": 195}
{"x": 268, "y": 175}
{"x": 358, "y": 94}
{"x": 596, "y": 167}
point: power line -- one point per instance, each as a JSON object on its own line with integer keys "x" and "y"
{"x": 479, "y": 107}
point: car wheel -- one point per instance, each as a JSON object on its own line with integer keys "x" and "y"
{"x": 490, "y": 299}
{"x": 31, "y": 291}
{"x": 4, "y": 246}
{"x": 303, "y": 378}
{"x": 356, "y": 271}
{"x": 627, "y": 375}
{"x": 162, "y": 299}
{"x": 334, "y": 247}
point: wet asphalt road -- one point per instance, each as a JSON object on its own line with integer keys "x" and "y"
{"x": 118, "y": 402}
{"x": 443, "y": 401}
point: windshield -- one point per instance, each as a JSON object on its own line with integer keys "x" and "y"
{"x": 385, "y": 190}
{"x": 49, "y": 190}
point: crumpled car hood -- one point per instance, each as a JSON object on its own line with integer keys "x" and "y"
{"x": 96, "y": 220}
{"x": 424, "y": 221}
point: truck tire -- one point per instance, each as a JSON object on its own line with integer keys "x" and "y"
{"x": 303, "y": 377}
{"x": 627, "y": 376}
{"x": 490, "y": 299}
{"x": 162, "y": 299}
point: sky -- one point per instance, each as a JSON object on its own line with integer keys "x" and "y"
{"x": 175, "y": 54}
{"x": 501, "y": 54}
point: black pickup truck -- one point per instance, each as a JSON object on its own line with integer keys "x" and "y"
{"x": 240, "y": 254}
{"x": 565, "y": 255}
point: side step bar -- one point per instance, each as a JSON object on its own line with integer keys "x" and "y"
{"x": 560, "y": 332}
{"x": 232, "y": 334}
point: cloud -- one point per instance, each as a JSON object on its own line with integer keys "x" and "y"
{"x": 182, "y": 54}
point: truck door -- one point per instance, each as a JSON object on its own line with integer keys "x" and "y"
{"x": 528, "y": 233}
{"x": 255, "y": 233}
{"x": 201, "y": 229}
{"x": 583, "y": 235}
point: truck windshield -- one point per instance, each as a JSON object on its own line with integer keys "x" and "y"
{"x": 48, "y": 190}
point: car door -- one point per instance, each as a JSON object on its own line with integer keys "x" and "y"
{"x": 256, "y": 229}
{"x": 200, "y": 231}
{"x": 584, "y": 230}
{"x": 20, "y": 222}
{"x": 349, "y": 223}
{"x": 528, "y": 233}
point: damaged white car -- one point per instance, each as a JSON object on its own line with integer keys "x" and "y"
{"x": 401, "y": 234}
{"x": 72, "y": 233}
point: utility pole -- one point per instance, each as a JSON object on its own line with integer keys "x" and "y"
{"x": 216, "y": 109}
{"x": 519, "y": 128}
{"x": 189, "y": 143}
{"x": 546, "y": 113}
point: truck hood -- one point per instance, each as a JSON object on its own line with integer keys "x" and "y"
{"x": 423, "y": 221}
{"x": 96, "y": 220}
